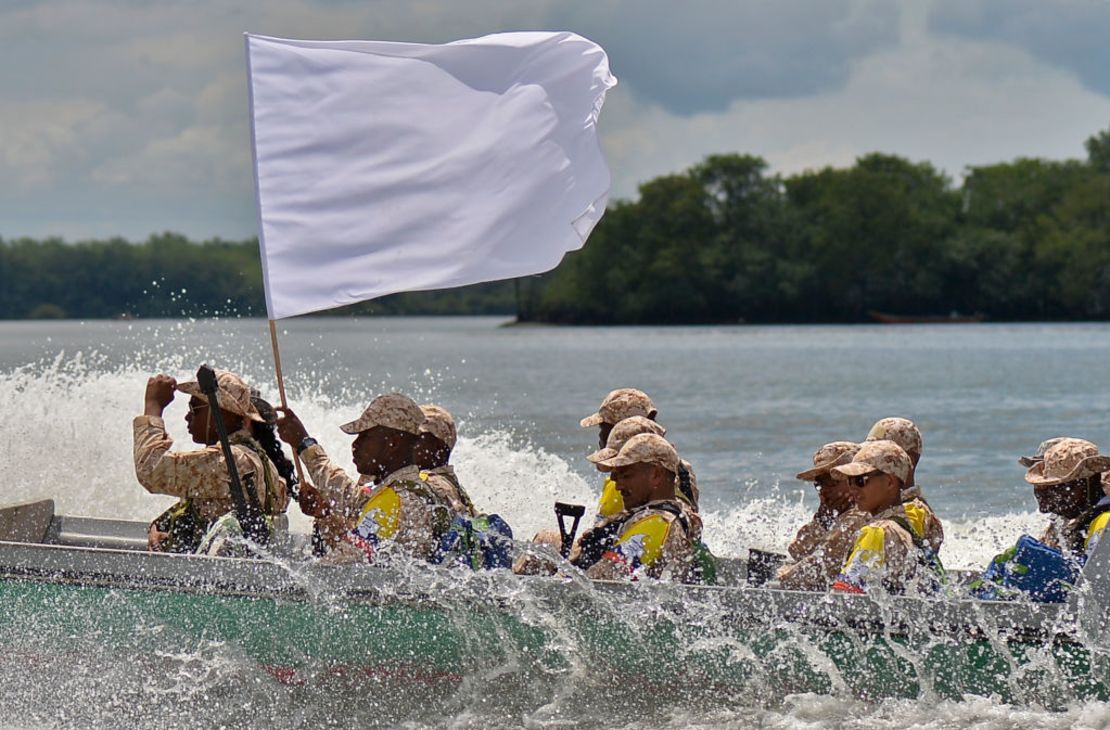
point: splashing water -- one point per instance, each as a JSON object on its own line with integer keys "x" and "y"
{"x": 67, "y": 435}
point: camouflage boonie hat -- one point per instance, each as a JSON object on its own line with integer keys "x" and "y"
{"x": 622, "y": 403}
{"x": 646, "y": 448}
{"x": 877, "y": 456}
{"x": 1067, "y": 461}
{"x": 828, "y": 456}
{"x": 395, "y": 411}
{"x": 232, "y": 393}
{"x": 1028, "y": 461}
{"x": 439, "y": 423}
{"x": 901, "y": 431}
{"x": 623, "y": 431}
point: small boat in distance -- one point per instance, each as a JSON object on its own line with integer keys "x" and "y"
{"x": 951, "y": 318}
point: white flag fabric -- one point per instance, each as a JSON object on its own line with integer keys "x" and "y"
{"x": 387, "y": 167}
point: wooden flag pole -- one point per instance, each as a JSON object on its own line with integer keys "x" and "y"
{"x": 281, "y": 394}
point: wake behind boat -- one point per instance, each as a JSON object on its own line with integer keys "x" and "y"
{"x": 65, "y": 578}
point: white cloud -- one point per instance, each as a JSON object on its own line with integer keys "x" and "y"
{"x": 43, "y": 139}
{"x": 127, "y": 117}
{"x": 950, "y": 101}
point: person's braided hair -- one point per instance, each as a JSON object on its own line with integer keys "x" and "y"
{"x": 266, "y": 436}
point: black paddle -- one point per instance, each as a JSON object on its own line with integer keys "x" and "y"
{"x": 250, "y": 517}
{"x": 563, "y": 510}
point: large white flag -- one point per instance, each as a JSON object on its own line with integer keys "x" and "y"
{"x": 387, "y": 167}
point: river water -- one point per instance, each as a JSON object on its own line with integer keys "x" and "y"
{"x": 745, "y": 405}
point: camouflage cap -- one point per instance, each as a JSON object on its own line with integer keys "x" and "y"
{"x": 1028, "y": 461}
{"x": 1066, "y": 461}
{"x": 394, "y": 411}
{"x": 830, "y": 455}
{"x": 877, "y": 456}
{"x": 645, "y": 448}
{"x": 232, "y": 393}
{"x": 623, "y": 431}
{"x": 901, "y": 431}
{"x": 622, "y": 403}
{"x": 439, "y": 423}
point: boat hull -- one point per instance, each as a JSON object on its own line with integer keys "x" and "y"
{"x": 533, "y": 648}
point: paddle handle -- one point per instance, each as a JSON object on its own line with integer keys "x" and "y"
{"x": 566, "y": 537}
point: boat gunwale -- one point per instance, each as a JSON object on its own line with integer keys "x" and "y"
{"x": 251, "y": 578}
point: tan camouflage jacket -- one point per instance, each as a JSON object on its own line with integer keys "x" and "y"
{"x": 884, "y": 554}
{"x": 820, "y": 552}
{"x": 651, "y": 543}
{"x": 201, "y": 475}
{"x": 413, "y": 521}
{"x": 445, "y": 483}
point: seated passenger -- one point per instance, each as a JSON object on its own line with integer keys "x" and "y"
{"x": 531, "y": 564}
{"x": 1066, "y": 474}
{"x": 822, "y": 545}
{"x": 1067, "y": 484}
{"x": 432, "y": 453}
{"x": 200, "y": 479}
{"x": 654, "y": 536}
{"x": 391, "y": 503}
{"x": 905, "y": 433}
{"x": 894, "y": 552}
{"x": 619, "y": 405}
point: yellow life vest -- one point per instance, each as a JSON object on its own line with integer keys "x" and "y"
{"x": 380, "y": 516}
{"x": 611, "y": 502}
{"x": 641, "y": 543}
{"x": 1094, "y": 532}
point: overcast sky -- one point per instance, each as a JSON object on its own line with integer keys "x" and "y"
{"x": 126, "y": 117}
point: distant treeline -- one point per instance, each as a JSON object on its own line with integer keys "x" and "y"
{"x": 169, "y": 276}
{"x": 721, "y": 242}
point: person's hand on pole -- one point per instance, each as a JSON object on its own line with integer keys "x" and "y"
{"x": 312, "y": 502}
{"x": 160, "y": 390}
{"x": 290, "y": 428}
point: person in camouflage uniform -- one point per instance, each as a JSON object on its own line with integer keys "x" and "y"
{"x": 893, "y": 551}
{"x": 654, "y": 536}
{"x": 390, "y": 506}
{"x": 432, "y": 454}
{"x": 531, "y": 564}
{"x": 1067, "y": 483}
{"x": 619, "y": 405}
{"x": 822, "y": 545}
{"x": 905, "y": 433}
{"x": 200, "y": 479}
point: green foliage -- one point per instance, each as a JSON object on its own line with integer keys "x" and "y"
{"x": 724, "y": 241}
{"x": 170, "y": 276}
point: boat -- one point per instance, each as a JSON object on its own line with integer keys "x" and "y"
{"x": 89, "y": 586}
{"x": 950, "y": 318}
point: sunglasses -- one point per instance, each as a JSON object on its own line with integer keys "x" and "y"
{"x": 861, "y": 481}
{"x": 195, "y": 408}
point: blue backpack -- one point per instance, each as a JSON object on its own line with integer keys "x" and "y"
{"x": 1030, "y": 567}
{"x": 484, "y": 542}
